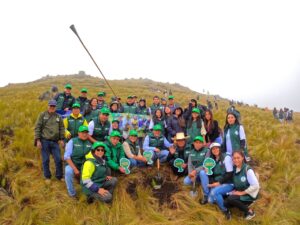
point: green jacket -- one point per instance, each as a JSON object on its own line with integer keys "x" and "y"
{"x": 80, "y": 149}
{"x": 114, "y": 154}
{"x": 49, "y": 126}
{"x": 93, "y": 172}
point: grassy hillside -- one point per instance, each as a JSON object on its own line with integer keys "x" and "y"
{"x": 26, "y": 199}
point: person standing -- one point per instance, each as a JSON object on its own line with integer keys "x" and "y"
{"x": 83, "y": 100}
{"x": 65, "y": 100}
{"x": 49, "y": 135}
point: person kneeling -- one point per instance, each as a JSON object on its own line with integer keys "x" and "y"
{"x": 132, "y": 150}
{"x": 95, "y": 180}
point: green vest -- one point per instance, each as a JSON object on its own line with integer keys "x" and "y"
{"x": 130, "y": 108}
{"x": 80, "y": 149}
{"x": 157, "y": 142}
{"x": 98, "y": 176}
{"x": 219, "y": 170}
{"x": 183, "y": 155}
{"x": 92, "y": 115}
{"x": 134, "y": 148}
{"x": 193, "y": 131}
{"x": 100, "y": 131}
{"x": 142, "y": 111}
{"x": 240, "y": 181}
{"x": 84, "y": 103}
{"x": 234, "y": 137}
{"x": 197, "y": 157}
{"x": 74, "y": 124}
{"x": 61, "y": 99}
{"x": 155, "y": 107}
{"x": 102, "y": 105}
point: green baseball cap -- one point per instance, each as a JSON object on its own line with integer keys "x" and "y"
{"x": 171, "y": 97}
{"x": 133, "y": 133}
{"x": 157, "y": 127}
{"x": 101, "y": 94}
{"x": 76, "y": 105}
{"x": 98, "y": 144}
{"x": 199, "y": 138}
{"x": 83, "y": 128}
{"x": 83, "y": 90}
{"x": 105, "y": 111}
{"x": 68, "y": 86}
{"x": 115, "y": 120}
{"x": 196, "y": 110}
{"x": 129, "y": 96}
{"x": 115, "y": 133}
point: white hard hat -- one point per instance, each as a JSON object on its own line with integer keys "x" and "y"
{"x": 215, "y": 144}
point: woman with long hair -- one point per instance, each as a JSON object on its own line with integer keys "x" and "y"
{"x": 212, "y": 128}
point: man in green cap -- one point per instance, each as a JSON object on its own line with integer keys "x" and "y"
{"x": 101, "y": 101}
{"x": 83, "y": 100}
{"x": 172, "y": 105}
{"x": 115, "y": 151}
{"x": 64, "y": 100}
{"x": 75, "y": 152}
{"x": 157, "y": 144}
{"x": 132, "y": 150}
{"x": 96, "y": 181}
{"x": 99, "y": 127}
{"x": 130, "y": 106}
{"x": 196, "y": 171}
{"x": 73, "y": 122}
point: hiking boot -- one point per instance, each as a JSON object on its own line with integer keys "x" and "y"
{"x": 227, "y": 214}
{"x": 204, "y": 200}
{"x": 249, "y": 215}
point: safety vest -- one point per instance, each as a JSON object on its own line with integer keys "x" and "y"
{"x": 130, "y": 108}
{"x": 219, "y": 170}
{"x": 64, "y": 101}
{"x": 74, "y": 124}
{"x": 234, "y": 137}
{"x": 80, "y": 149}
{"x": 134, "y": 147}
{"x": 157, "y": 142}
{"x": 197, "y": 157}
{"x": 100, "y": 131}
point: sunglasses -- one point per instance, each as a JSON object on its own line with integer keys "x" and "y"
{"x": 104, "y": 114}
{"x": 100, "y": 150}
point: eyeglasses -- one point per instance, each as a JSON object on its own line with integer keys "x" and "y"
{"x": 100, "y": 150}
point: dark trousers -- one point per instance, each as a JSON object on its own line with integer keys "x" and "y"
{"x": 234, "y": 201}
{"x": 108, "y": 185}
{"x": 51, "y": 147}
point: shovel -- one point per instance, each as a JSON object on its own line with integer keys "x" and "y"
{"x": 157, "y": 180}
{"x": 194, "y": 192}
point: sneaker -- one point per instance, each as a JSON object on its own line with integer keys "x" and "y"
{"x": 204, "y": 200}
{"x": 249, "y": 215}
{"x": 227, "y": 214}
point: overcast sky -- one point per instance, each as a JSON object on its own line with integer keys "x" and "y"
{"x": 245, "y": 50}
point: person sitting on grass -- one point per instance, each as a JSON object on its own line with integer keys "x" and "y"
{"x": 196, "y": 172}
{"x": 156, "y": 143}
{"x": 73, "y": 122}
{"x": 220, "y": 182}
{"x": 115, "y": 151}
{"x": 246, "y": 186}
{"x": 133, "y": 151}
{"x": 96, "y": 181}
{"x": 75, "y": 152}
{"x": 180, "y": 150}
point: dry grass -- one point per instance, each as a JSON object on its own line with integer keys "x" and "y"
{"x": 26, "y": 199}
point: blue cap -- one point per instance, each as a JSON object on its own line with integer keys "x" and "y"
{"x": 52, "y": 102}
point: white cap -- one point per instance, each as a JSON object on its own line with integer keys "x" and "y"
{"x": 215, "y": 144}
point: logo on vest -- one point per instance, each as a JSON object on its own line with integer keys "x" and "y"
{"x": 243, "y": 178}
{"x": 236, "y": 132}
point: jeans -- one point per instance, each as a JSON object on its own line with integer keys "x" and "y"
{"x": 201, "y": 178}
{"x": 216, "y": 195}
{"x": 51, "y": 147}
{"x": 134, "y": 162}
{"x": 108, "y": 185}
{"x": 162, "y": 155}
{"x": 69, "y": 175}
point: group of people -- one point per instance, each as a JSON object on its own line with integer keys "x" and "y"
{"x": 94, "y": 146}
{"x": 283, "y": 115}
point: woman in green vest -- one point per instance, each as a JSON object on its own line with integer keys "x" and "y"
{"x": 92, "y": 111}
{"x": 195, "y": 125}
{"x": 234, "y": 136}
{"x": 220, "y": 182}
{"x": 96, "y": 181}
{"x": 246, "y": 186}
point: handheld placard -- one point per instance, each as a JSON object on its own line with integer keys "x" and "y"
{"x": 148, "y": 156}
{"x": 125, "y": 163}
{"x": 178, "y": 164}
{"x": 209, "y": 164}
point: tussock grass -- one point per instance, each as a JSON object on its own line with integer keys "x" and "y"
{"x": 26, "y": 199}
